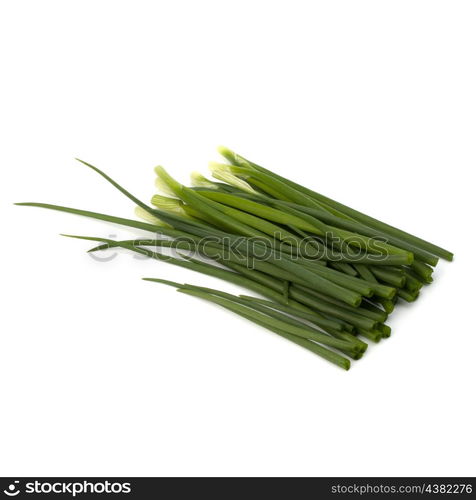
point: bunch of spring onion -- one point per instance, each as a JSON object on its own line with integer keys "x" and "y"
{"x": 327, "y": 275}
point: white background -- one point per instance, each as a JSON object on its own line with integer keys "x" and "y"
{"x": 371, "y": 102}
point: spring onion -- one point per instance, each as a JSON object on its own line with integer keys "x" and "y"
{"x": 327, "y": 276}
